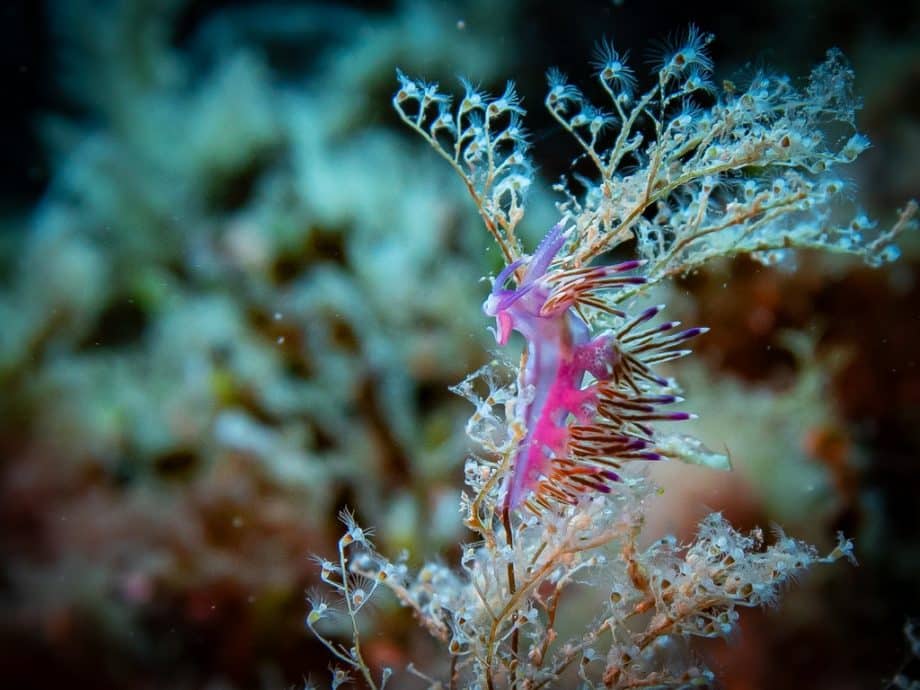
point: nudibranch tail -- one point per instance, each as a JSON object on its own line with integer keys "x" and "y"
{"x": 592, "y": 399}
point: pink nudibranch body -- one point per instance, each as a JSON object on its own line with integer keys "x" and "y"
{"x": 560, "y": 351}
{"x": 579, "y": 431}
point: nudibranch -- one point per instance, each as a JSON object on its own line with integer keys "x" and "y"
{"x": 589, "y": 398}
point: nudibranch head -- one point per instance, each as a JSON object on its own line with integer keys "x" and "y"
{"x": 514, "y": 307}
{"x": 500, "y": 302}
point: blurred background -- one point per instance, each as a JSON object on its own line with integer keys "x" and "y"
{"x": 234, "y": 290}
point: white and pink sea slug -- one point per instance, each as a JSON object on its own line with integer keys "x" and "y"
{"x": 593, "y": 396}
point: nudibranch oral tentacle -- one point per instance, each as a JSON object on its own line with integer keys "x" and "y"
{"x": 591, "y": 398}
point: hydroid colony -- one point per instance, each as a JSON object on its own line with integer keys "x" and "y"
{"x": 684, "y": 172}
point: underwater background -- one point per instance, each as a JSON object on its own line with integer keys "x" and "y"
{"x": 234, "y": 291}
